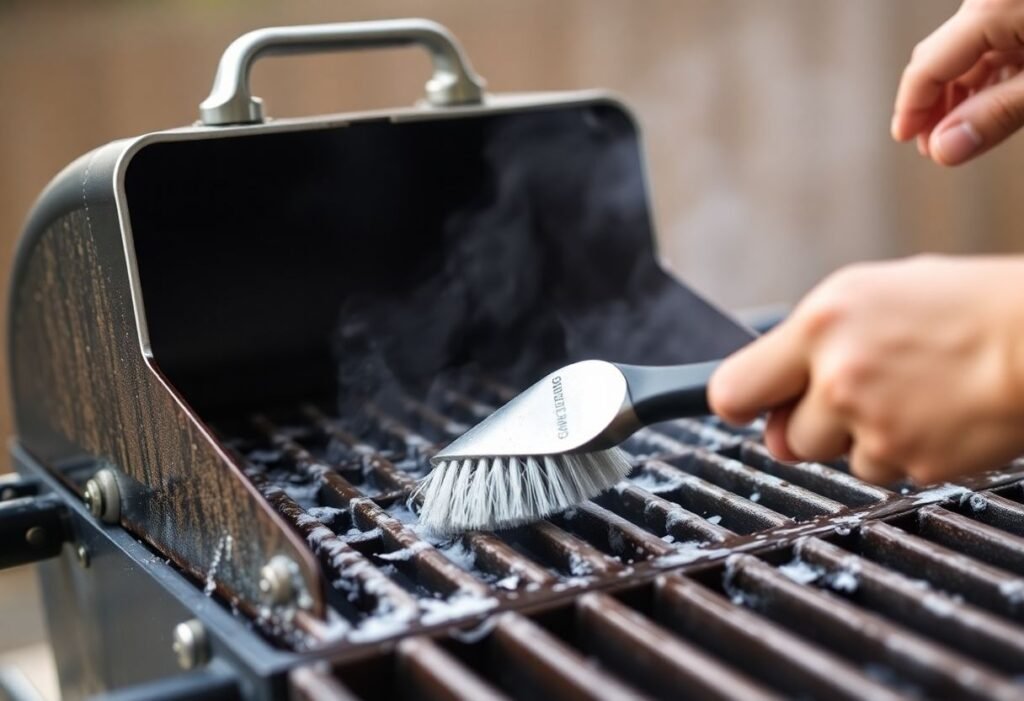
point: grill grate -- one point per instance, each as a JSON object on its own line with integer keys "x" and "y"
{"x": 842, "y": 614}
{"x": 698, "y": 493}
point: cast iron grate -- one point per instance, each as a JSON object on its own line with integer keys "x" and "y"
{"x": 699, "y": 492}
{"x": 926, "y": 603}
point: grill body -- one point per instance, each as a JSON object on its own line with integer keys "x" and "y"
{"x": 260, "y": 333}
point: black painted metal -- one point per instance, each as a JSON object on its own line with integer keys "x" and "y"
{"x": 32, "y": 528}
{"x": 200, "y": 685}
{"x": 111, "y": 620}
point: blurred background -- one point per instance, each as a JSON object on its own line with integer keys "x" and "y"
{"x": 766, "y": 128}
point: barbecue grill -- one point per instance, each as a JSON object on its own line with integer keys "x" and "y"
{"x": 235, "y": 347}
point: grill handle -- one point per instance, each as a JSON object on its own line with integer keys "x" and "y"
{"x": 230, "y": 102}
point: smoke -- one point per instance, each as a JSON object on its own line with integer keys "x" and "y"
{"x": 547, "y": 258}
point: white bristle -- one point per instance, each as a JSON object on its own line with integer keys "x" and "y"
{"x": 462, "y": 495}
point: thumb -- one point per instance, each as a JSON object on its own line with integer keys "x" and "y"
{"x": 978, "y": 123}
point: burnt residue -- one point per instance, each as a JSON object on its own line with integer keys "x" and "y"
{"x": 821, "y": 617}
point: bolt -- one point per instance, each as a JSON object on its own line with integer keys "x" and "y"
{"x": 36, "y": 536}
{"x": 190, "y": 645}
{"x": 82, "y": 553}
{"x": 103, "y": 497}
{"x": 277, "y": 580}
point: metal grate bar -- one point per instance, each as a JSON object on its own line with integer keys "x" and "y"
{"x": 777, "y": 494}
{"x": 700, "y": 496}
{"x": 818, "y": 478}
{"x": 661, "y": 515}
{"x": 654, "y": 659}
{"x": 668, "y": 437}
{"x": 621, "y": 537}
{"x": 762, "y": 649}
{"x": 316, "y": 683}
{"x": 965, "y": 535}
{"x": 981, "y": 584}
{"x": 924, "y": 609}
{"x": 538, "y": 665}
{"x": 430, "y": 566}
{"x": 432, "y": 674}
{"x": 860, "y": 635}
{"x": 566, "y": 552}
{"x": 998, "y": 511}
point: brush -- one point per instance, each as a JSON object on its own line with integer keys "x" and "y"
{"x": 554, "y": 445}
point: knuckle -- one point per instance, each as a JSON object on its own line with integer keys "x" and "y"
{"x": 1006, "y": 111}
{"x": 878, "y": 447}
{"x": 831, "y": 301}
{"x": 888, "y": 445}
{"x": 839, "y": 383}
{"x": 923, "y": 473}
{"x": 919, "y": 49}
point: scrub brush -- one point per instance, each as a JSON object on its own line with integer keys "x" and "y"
{"x": 554, "y": 445}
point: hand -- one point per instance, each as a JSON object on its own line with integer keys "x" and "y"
{"x": 915, "y": 367}
{"x": 963, "y": 92}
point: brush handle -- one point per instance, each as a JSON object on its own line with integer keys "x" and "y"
{"x": 660, "y": 393}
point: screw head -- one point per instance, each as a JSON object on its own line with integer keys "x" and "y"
{"x": 103, "y": 497}
{"x": 36, "y": 536}
{"x": 82, "y": 553}
{"x": 7, "y": 493}
{"x": 277, "y": 581}
{"x": 190, "y": 644}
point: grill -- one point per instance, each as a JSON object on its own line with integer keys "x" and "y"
{"x": 925, "y": 601}
{"x": 699, "y": 493}
{"x": 233, "y": 356}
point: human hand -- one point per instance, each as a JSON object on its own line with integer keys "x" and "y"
{"x": 963, "y": 92}
{"x": 916, "y": 367}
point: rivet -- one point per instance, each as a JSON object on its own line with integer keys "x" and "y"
{"x": 36, "y": 536}
{"x": 277, "y": 581}
{"x": 190, "y": 644}
{"x": 82, "y": 553}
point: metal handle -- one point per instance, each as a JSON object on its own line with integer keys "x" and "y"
{"x": 230, "y": 101}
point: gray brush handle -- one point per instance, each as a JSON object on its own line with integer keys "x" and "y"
{"x": 660, "y": 393}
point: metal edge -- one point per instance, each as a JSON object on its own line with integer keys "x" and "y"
{"x": 231, "y": 638}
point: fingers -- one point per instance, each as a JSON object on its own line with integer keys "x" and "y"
{"x": 769, "y": 372}
{"x": 775, "y": 434}
{"x": 870, "y": 469}
{"x": 817, "y": 431}
{"x": 948, "y": 53}
{"x": 979, "y": 122}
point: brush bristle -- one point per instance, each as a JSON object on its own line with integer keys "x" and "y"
{"x": 465, "y": 495}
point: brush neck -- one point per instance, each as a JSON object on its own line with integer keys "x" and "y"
{"x": 670, "y": 391}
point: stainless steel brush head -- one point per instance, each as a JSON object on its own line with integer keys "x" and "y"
{"x": 546, "y": 450}
{"x": 553, "y": 446}
{"x": 582, "y": 407}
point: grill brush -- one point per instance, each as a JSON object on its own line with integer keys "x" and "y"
{"x": 554, "y": 445}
